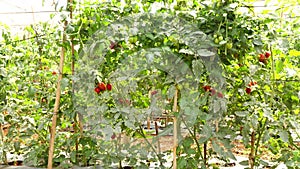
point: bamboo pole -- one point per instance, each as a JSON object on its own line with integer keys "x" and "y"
{"x": 148, "y": 118}
{"x": 217, "y": 125}
{"x": 175, "y": 132}
{"x": 148, "y": 123}
{"x": 158, "y": 140}
{"x": 57, "y": 101}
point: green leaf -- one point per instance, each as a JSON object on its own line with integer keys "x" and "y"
{"x": 295, "y": 98}
{"x": 149, "y": 35}
{"x": 279, "y": 66}
{"x": 205, "y": 53}
{"x": 284, "y": 136}
{"x": 31, "y": 91}
{"x": 206, "y": 133}
{"x": 198, "y": 68}
{"x": 254, "y": 121}
{"x": 182, "y": 162}
{"x": 64, "y": 83}
{"x": 264, "y": 163}
{"x": 3, "y": 72}
{"x": 167, "y": 131}
{"x": 244, "y": 163}
{"x": 230, "y": 155}
{"x": 129, "y": 124}
{"x": 217, "y": 148}
{"x": 266, "y": 136}
{"x": 216, "y": 106}
{"x": 17, "y": 146}
{"x": 242, "y": 113}
{"x": 186, "y": 51}
{"x": 258, "y": 42}
{"x": 1, "y": 118}
{"x": 171, "y": 92}
{"x": 245, "y": 133}
{"x": 187, "y": 142}
{"x": 294, "y": 53}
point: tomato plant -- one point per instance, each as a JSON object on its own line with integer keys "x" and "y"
{"x": 220, "y": 72}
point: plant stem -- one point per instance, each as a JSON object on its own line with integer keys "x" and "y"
{"x": 120, "y": 164}
{"x": 219, "y": 28}
{"x": 251, "y": 155}
{"x": 295, "y": 145}
{"x": 151, "y": 146}
{"x": 205, "y": 153}
{"x": 260, "y": 133}
{"x": 194, "y": 134}
{"x": 255, "y": 143}
{"x": 195, "y": 138}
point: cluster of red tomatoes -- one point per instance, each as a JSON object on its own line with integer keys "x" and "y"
{"x": 249, "y": 87}
{"x": 264, "y": 57}
{"x": 212, "y": 91}
{"x": 102, "y": 87}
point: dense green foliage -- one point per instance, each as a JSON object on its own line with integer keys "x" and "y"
{"x": 197, "y": 48}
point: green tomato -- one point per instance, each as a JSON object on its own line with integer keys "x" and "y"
{"x": 229, "y": 45}
{"x": 215, "y": 36}
{"x": 51, "y": 90}
{"x": 220, "y": 38}
{"x": 176, "y": 7}
{"x": 133, "y": 39}
{"x": 173, "y": 39}
{"x": 217, "y": 41}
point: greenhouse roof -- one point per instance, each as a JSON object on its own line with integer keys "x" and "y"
{"x": 20, "y": 13}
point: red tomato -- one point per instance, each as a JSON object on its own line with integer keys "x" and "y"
{"x": 97, "y": 90}
{"x": 268, "y": 54}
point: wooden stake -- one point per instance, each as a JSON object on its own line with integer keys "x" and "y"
{"x": 148, "y": 123}
{"x": 175, "y": 132}
{"x": 158, "y": 141}
{"x": 57, "y": 101}
{"x": 148, "y": 118}
{"x": 174, "y": 142}
{"x": 217, "y": 125}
